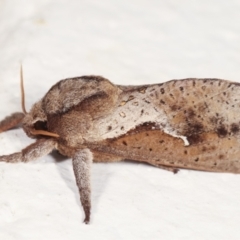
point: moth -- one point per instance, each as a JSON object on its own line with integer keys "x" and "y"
{"x": 180, "y": 124}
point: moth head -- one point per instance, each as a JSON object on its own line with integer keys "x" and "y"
{"x": 34, "y": 122}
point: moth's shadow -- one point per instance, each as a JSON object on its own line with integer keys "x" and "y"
{"x": 58, "y": 157}
{"x": 64, "y": 166}
{"x": 99, "y": 177}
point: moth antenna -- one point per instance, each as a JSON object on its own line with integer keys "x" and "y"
{"x": 22, "y": 91}
{"x": 44, "y": 133}
{"x": 34, "y": 132}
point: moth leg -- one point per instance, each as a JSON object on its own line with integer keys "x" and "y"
{"x": 171, "y": 169}
{"x": 82, "y": 161}
{"x": 11, "y": 121}
{"x": 38, "y": 149}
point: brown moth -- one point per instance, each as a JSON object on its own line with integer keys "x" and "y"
{"x": 190, "y": 124}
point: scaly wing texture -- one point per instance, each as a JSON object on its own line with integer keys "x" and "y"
{"x": 195, "y": 106}
{"x": 204, "y": 111}
{"x": 155, "y": 147}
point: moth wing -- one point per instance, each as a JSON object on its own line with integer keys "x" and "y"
{"x": 157, "y": 148}
{"x": 202, "y": 110}
{"x": 195, "y": 106}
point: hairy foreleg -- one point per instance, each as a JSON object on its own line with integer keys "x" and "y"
{"x": 82, "y": 161}
{"x": 11, "y": 121}
{"x": 38, "y": 149}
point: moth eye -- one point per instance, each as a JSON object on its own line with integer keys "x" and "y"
{"x": 40, "y": 125}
